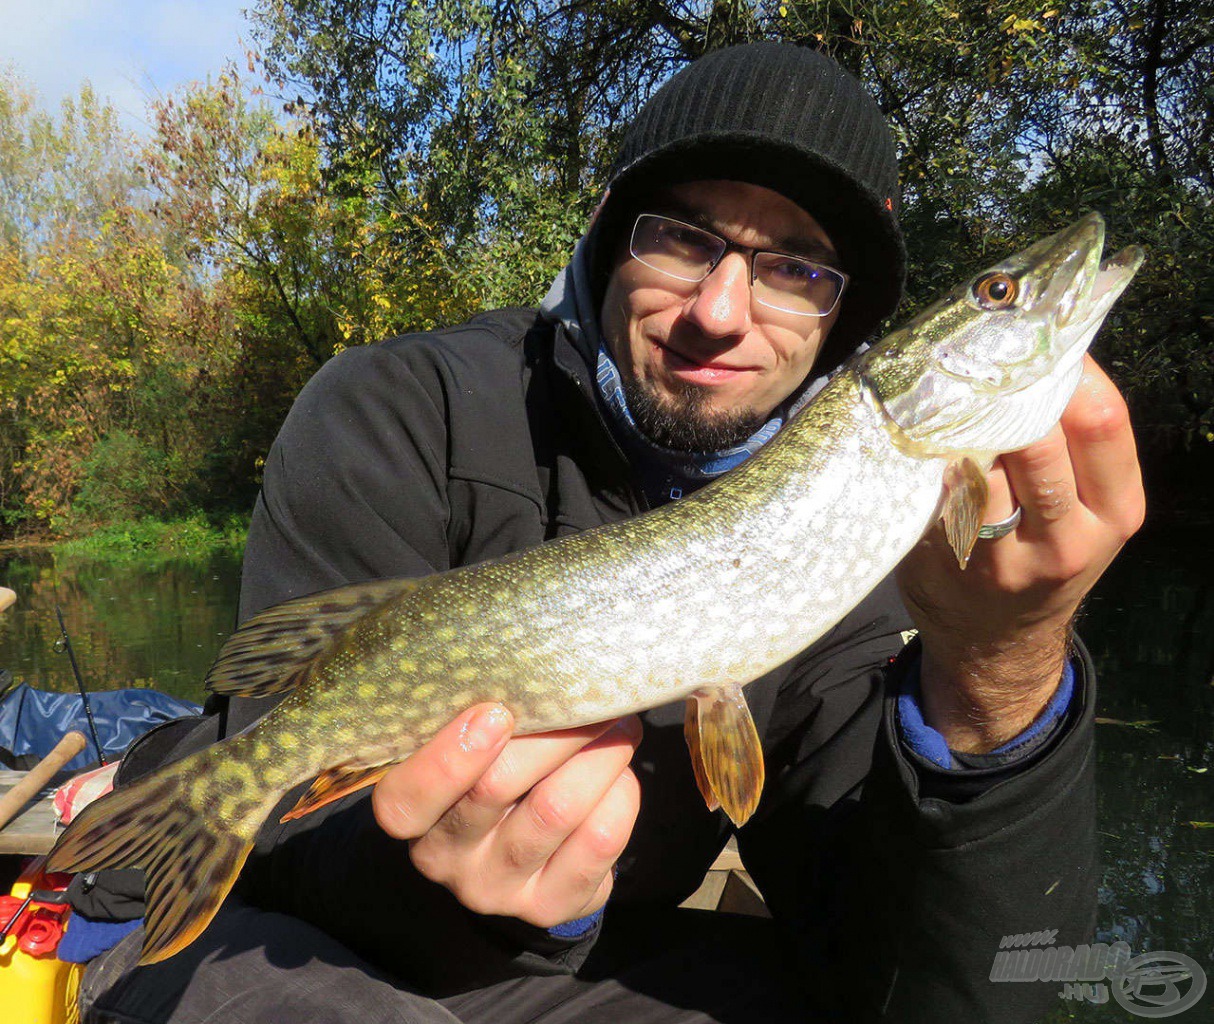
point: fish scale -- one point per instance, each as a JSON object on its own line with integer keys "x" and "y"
{"x": 691, "y": 600}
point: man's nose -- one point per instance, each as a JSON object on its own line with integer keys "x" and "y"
{"x": 720, "y": 305}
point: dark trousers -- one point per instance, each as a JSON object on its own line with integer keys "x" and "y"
{"x": 256, "y": 967}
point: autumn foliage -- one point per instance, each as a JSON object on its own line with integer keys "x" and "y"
{"x": 163, "y": 299}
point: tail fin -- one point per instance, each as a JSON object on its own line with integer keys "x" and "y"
{"x": 190, "y": 862}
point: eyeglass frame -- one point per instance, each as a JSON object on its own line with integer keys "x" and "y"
{"x": 730, "y": 246}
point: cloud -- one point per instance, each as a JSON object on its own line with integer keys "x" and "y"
{"x": 129, "y": 51}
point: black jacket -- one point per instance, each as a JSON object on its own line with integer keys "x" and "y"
{"x": 895, "y": 881}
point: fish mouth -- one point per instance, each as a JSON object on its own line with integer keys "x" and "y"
{"x": 1111, "y": 279}
{"x": 1077, "y": 289}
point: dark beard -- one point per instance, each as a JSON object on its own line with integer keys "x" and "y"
{"x": 682, "y": 422}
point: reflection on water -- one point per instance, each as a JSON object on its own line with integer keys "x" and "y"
{"x": 1149, "y": 625}
{"x": 129, "y": 626}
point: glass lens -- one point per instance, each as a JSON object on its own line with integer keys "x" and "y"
{"x": 796, "y": 285}
{"x": 680, "y": 250}
{"x": 790, "y": 284}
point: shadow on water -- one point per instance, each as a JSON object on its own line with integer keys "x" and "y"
{"x": 1149, "y": 625}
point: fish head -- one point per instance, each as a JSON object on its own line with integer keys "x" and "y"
{"x": 990, "y": 366}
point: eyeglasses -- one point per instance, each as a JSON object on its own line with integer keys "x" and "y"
{"x": 791, "y": 284}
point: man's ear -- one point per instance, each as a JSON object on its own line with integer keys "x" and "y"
{"x": 598, "y": 209}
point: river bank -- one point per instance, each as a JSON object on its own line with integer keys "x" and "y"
{"x": 196, "y": 536}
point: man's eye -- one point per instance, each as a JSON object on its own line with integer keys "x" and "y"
{"x": 686, "y": 240}
{"x": 795, "y": 272}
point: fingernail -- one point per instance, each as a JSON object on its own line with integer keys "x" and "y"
{"x": 487, "y": 728}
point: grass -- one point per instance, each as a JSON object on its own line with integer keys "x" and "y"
{"x": 194, "y": 538}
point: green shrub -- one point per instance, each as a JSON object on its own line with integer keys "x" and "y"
{"x": 124, "y": 479}
{"x": 149, "y": 540}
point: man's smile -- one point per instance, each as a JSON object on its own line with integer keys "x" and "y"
{"x": 711, "y": 370}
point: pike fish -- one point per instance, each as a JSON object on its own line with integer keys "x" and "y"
{"x": 692, "y": 600}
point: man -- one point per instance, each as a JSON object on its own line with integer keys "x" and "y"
{"x": 921, "y": 803}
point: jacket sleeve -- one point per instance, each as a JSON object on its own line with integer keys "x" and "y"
{"x": 356, "y": 488}
{"x": 897, "y": 882}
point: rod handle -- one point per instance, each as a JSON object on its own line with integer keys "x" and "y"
{"x": 40, "y": 775}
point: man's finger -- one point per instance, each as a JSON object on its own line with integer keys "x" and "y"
{"x": 1043, "y": 483}
{"x": 414, "y": 795}
{"x": 523, "y": 763}
{"x": 1102, "y": 450}
{"x": 579, "y": 873}
{"x": 558, "y": 805}
{"x": 1000, "y": 503}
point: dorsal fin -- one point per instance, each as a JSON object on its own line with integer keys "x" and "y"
{"x": 272, "y": 651}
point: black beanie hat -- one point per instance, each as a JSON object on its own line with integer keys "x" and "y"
{"x": 789, "y": 119}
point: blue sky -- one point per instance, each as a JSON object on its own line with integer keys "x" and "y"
{"x": 130, "y": 51}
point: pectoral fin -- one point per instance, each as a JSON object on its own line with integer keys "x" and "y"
{"x": 726, "y": 755}
{"x": 963, "y": 507}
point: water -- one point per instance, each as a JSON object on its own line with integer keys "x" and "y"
{"x": 1149, "y": 624}
{"x": 129, "y": 625}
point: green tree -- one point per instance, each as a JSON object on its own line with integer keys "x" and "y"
{"x": 498, "y": 121}
{"x": 160, "y": 305}
{"x": 1129, "y": 136}
{"x": 59, "y": 175}
{"x": 490, "y": 124}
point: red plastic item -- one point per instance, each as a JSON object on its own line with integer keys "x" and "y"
{"x": 39, "y": 926}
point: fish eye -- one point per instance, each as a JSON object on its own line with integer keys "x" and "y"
{"x": 995, "y": 291}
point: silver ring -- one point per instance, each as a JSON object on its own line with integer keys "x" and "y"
{"x": 993, "y": 531}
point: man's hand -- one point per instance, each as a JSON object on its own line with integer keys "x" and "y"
{"x": 527, "y": 827}
{"x": 995, "y": 634}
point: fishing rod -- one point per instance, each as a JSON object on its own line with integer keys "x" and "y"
{"x": 64, "y": 643}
